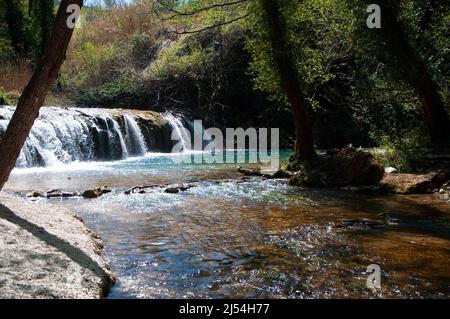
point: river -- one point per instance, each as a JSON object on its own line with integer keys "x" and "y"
{"x": 251, "y": 238}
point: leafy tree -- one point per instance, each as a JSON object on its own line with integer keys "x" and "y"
{"x": 16, "y": 25}
{"x": 283, "y": 59}
{"x": 34, "y": 94}
{"x": 42, "y": 21}
{"x": 393, "y": 41}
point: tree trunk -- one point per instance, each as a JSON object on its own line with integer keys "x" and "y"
{"x": 417, "y": 73}
{"x": 34, "y": 94}
{"x": 290, "y": 82}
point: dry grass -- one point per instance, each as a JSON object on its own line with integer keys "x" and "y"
{"x": 14, "y": 75}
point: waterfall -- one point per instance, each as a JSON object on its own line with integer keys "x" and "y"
{"x": 134, "y": 139}
{"x": 181, "y": 133}
{"x": 65, "y": 135}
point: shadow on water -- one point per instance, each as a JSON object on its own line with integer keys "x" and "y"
{"x": 75, "y": 254}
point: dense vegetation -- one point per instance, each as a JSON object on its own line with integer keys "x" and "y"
{"x": 214, "y": 58}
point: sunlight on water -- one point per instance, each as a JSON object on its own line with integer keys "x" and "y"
{"x": 229, "y": 237}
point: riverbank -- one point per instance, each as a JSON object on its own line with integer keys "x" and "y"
{"x": 48, "y": 252}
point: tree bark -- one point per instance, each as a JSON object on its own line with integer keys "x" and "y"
{"x": 417, "y": 73}
{"x": 290, "y": 81}
{"x": 34, "y": 94}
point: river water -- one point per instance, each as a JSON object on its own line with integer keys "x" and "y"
{"x": 252, "y": 238}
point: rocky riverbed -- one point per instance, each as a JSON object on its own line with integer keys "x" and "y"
{"x": 48, "y": 252}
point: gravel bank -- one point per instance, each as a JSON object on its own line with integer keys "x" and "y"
{"x": 48, "y": 252}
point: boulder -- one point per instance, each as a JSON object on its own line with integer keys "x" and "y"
{"x": 353, "y": 167}
{"x": 415, "y": 183}
{"x": 96, "y": 192}
{"x": 307, "y": 179}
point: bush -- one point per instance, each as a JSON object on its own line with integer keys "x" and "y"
{"x": 4, "y": 98}
{"x": 401, "y": 153}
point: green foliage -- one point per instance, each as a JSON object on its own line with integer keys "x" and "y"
{"x": 24, "y": 30}
{"x": 351, "y": 81}
{"x": 186, "y": 55}
{"x": 42, "y": 17}
{"x": 400, "y": 154}
{"x": 318, "y": 39}
{"x": 4, "y": 98}
{"x": 111, "y": 94}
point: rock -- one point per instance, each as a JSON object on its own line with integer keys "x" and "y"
{"x": 415, "y": 183}
{"x": 309, "y": 179}
{"x": 54, "y": 193}
{"x": 70, "y": 265}
{"x": 142, "y": 189}
{"x": 352, "y": 166}
{"x": 70, "y": 194}
{"x": 390, "y": 170}
{"x": 175, "y": 189}
{"x": 95, "y": 192}
{"x": 249, "y": 172}
{"x": 446, "y": 186}
{"x": 172, "y": 190}
{"x": 167, "y": 188}
{"x": 92, "y": 193}
{"x": 281, "y": 173}
{"x": 36, "y": 194}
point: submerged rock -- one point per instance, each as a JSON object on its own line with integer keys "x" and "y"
{"x": 281, "y": 173}
{"x": 166, "y": 188}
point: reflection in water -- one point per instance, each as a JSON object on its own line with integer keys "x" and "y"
{"x": 259, "y": 238}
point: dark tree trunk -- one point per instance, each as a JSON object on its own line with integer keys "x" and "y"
{"x": 290, "y": 82}
{"x": 417, "y": 73}
{"x": 34, "y": 94}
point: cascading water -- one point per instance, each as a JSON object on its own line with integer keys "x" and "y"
{"x": 180, "y": 133}
{"x": 64, "y": 135}
{"x": 186, "y": 132}
{"x": 134, "y": 139}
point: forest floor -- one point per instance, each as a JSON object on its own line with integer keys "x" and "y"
{"x": 48, "y": 252}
